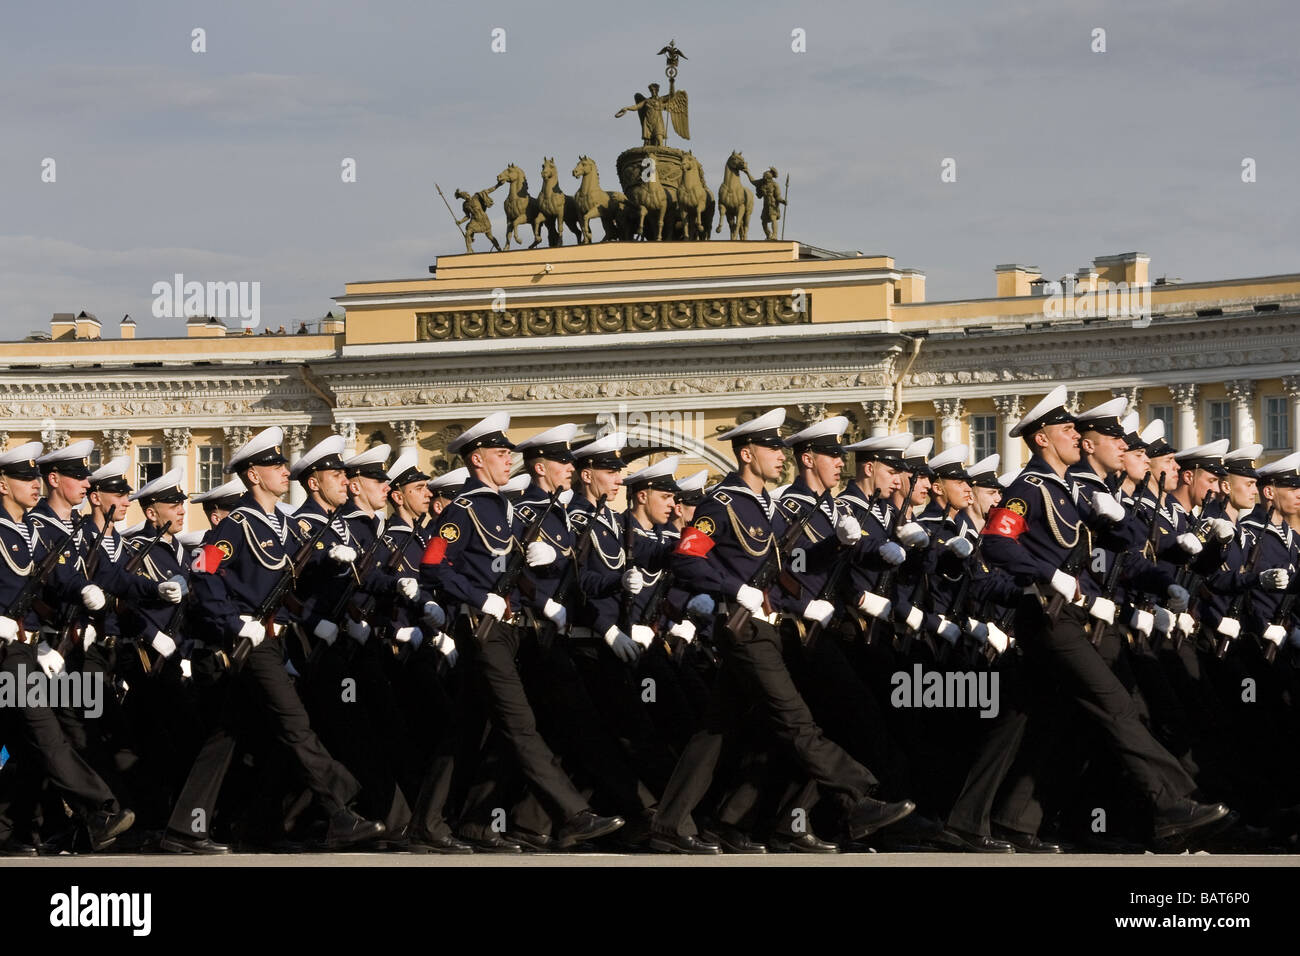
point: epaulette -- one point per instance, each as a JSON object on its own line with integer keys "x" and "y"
{"x": 1034, "y": 480}
{"x": 238, "y": 517}
{"x": 791, "y": 504}
{"x": 723, "y": 497}
{"x": 463, "y": 502}
{"x": 526, "y": 512}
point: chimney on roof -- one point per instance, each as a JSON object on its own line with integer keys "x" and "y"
{"x": 128, "y": 327}
{"x": 332, "y": 324}
{"x": 204, "y": 327}
{"x": 1130, "y": 267}
{"x": 1015, "y": 279}
{"x": 63, "y": 325}
{"x": 88, "y": 326}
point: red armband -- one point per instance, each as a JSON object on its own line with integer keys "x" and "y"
{"x": 435, "y": 552}
{"x": 694, "y": 543}
{"x": 208, "y": 559}
{"x": 1005, "y": 523}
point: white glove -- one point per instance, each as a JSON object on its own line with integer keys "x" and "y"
{"x": 342, "y": 553}
{"x": 645, "y": 636}
{"x": 948, "y": 630}
{"x": 1104, "y": 503}
{"x": 623, "y": 646}
{"x": 444, "y": 645}
{"x": 539, "y": 553}
{"x": 683, "y": 631}
{"x": 1142, "y": 621}
{"x": 1178, "y": 598}
{"x": 9, "y": 629}
{"x": 253, "y": 630}
{"x": 819, "y": 611}
{"x": 1274, "y": 634}
{"x": 434, "y": 615}
{"x": 1274, "y": 579}
{"x": 978, "y": 630}
{"x": 88, "y": 636}
{"x": 50, "y": 660}
{"x": 555, "y": 613}
{"x": 1064, "y": 585}
{"x": 873, "y": 605}
{"x": 173, "y": 589}
{"x": 163, "y": 644}
{"x": 326, "y": 631}
{"x": 92, "y": 597}
{"x": 1103, "y": 609}
{"x": 848, "y": 530}
{"x": 751, "y": 599}
{"x": 410, "y": 635}
{"x": 1164, "y": 620}
{"x": 915, "y": 618}
{"x": 1185, "y": 623}
{"x": 187, "y": 670}
{"x": 960, "y": 545}
{"x": 495, "y": 605}
{"x": 1190, "y": 543}
{"x": 359, "y": 631}
{"x": 892, "y": 553}
{"x": 701, "y": 605}
{"x": 633, "y": 581}
{"x": 998, "y": 638}
{"x": 408, "y": 588}
{"x": 912, "y": 535}
{"x": 1221, "y": 528}
{"x": 1229, "y": 627}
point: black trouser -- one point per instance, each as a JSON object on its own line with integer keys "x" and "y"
{"x": 264, "y": 684}
{"x": 1063, "y": 668}
{"x": 753, "y": 670}
{"x": 40, "y": 749}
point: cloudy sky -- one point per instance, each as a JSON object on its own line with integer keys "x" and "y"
{"x": 225, "y": 165}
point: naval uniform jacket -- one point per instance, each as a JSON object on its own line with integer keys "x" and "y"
{"x": 600, "y": 578}
{"x": 476, "y": 535}
{"x": 739, "y": 523}
{"x": 16, "y": 543}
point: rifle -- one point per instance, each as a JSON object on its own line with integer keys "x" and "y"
{"x": 506, "y": 581}
{"x": 885, "y": 585}
{"x": 770, "y": 568}
{"x": 1190, "y": 581}
{"x": 1111, "y": 582}
{"x": 281, "y": 593}
{"x": 831, "y": 589}
{"x": 569, "y": 579}
{"x": 131, "y": 566}
{"x": 626, "y": 599}
{"x": 957, "y": 606}
{"x": 69, "y": 633}
{"x": 344, "y": 602}
{"x": 1248, "y": 567}
{"x": 29, "y": 597}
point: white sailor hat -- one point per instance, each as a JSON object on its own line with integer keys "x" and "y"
{"x": 233, "y": 489}
{"x": 915, "y": 455}
{"x": 190, "y": 539}
{"x": 1208, "y": 457}
{"x": 1007, "y": 477}
{"x": 72, "y": 460}
{"x": 821, "y": 437}
{"x": 1050, "y": 411}
{"x": 552, "y": 444}
{"x": 516, "y": 485}
{"x": 601, "y": 453}
{"x": 1104, "y": 419}
{"x": 690, "y": 490}
{"x": 449, "y": 485}
{"x": 488, "y": 433}
{"x": 262, "y": 449}
{"x": 1284, "y": 473}
{"x": 286, "y": 509}
{"x": 165, "y": 488}
{"x": 656, "y": 477}
{"x": 886, "y": 449}
{"x": 984, "y": 473}
{"x": 1153, "y": 437}
{"x": 325, "y": 455}
{"x": 405, "y": 470}
{"x": 763, "y": 430}
{"x": 20, "y": 462}
{"x": 369, "y": 464}
{"x": 1131, "y": 423}
{"x": 112, "y": 476}
{"x": 950, "y": 463}
{"x": 1241, "y": 461}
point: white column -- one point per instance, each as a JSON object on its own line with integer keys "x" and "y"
{"x": 951, "y": 411}
{"x": 295, "y": 442}
{"x": 348, "y": 429}
{"x": 1185, "y": 399}
{"x": 177, "y": 441}
{"x": 1010, "y": 408}
{"x": 1132, "y": 395}
{"x": 1242, "y": 393}
{"x": 881, "y": 416}
{"x": 1292, "y": 385}
{"x": 408, "y": 433}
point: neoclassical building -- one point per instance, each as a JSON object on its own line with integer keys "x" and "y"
{"x": 674, "y": 342}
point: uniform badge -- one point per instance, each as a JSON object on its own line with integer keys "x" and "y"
{"x": 723, "y": 497}
{"x": 304, "y": 526}
{"x": 226, "y": 550}
{"x": 449, "y": 531}
{"x": 320, "y": 545}
{"x": 706, "y": 526}
{"x": 790, "y": 505}
{"x": 1018, "y": 506}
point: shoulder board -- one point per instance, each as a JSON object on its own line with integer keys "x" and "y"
{"x": 526, "y": 512}
{"x": 792, "y": 504}
{"x": 238, "y": 517}
{"x": 723, "y": 497}
{"x": 463, "y": 502}
{"x": 1033, "y": 480}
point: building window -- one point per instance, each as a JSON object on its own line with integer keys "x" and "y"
{"x": 1166, "y": 414}
{"x": 1277, "y": 423}
{"x": 96, "y": 459}
{"x": 1220, "y": 419}
{"x": 921, "y": 428}
{"x": 212, "y": 458}
{"x": 983, "y": 436}
{"x": 149, "y": 464}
